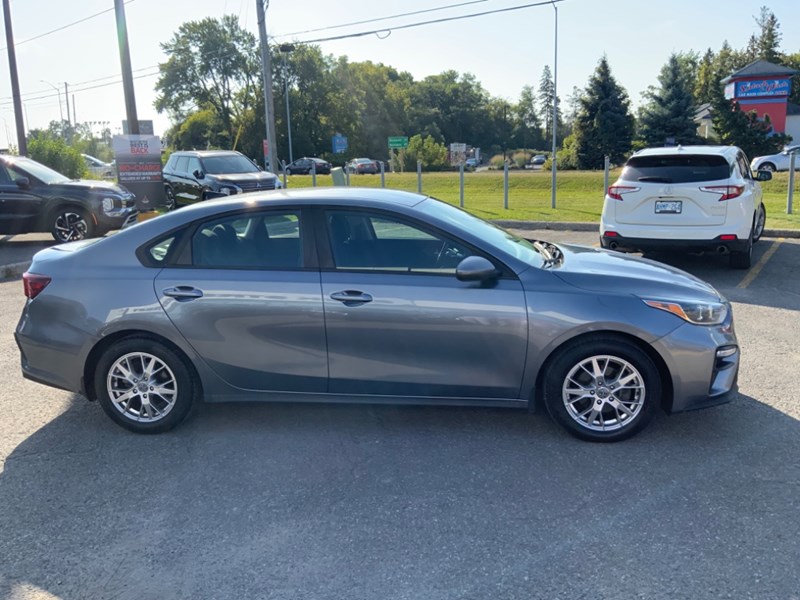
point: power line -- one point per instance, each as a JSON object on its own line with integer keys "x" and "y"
{"x": 57, "y": 29}
{"x": 421, "y": 23}
{"x": 408, "y": 14}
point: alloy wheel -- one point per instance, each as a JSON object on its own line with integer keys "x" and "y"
{"x": 70, "y": 226}
{"x": 604, "y": 393}
{"x": 142, "y": 387}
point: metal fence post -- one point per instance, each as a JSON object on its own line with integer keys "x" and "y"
{"x": 383, "y": 174}
{"x": 347, "y": 176}
{"x": 505, "y": 185}
{"x": 790, "y": 196}
{"x": 313, "y": 174}
{"x": 461, "y": 184}
{"x": 606, "y": 167}
{"x": 283, "y": 168}
{"x": 419, "y": 176}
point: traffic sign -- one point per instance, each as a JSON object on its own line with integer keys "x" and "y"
{"x": 398, "y": 141}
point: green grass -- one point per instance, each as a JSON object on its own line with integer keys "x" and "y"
{"x": 579, "y": 193}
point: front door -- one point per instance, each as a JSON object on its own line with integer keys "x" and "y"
{"x": 399, "y": 322}
{"x": 248, "y": 303}
{"x": 20, "y": 208}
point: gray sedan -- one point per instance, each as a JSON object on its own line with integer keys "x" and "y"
{"x": 374, "y": 296}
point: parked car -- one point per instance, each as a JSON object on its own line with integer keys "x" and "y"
{"x": 777, "y": 162}
{"x": 472, "y": 163}
{"x": 303, "y": 166}
{"x": 369, "y": 295}
{"x": 687, "y": 197}
{"x": 192, "y": 176}
{"x": 98, "y": 168}
{"x": 362, "y": 166}
{"x": 538, "y": 160}
{"x": 35, "y": 198}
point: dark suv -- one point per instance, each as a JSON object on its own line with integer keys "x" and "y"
{"x": 191, "y": 176}
{"x": 35, "y": 198}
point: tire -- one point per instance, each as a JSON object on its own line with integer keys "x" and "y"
{"x": 588, "y": 407}
{"x": 123, "y": 391}
{"x": 742, "y": 259}
{"x": 171, "y": 202}
{"x": 71, "y": 223}
{"x": 758, "y": 225}
{"x": 767, "y": 167}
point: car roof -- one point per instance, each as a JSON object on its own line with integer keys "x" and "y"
{"x": 726, "y": 151}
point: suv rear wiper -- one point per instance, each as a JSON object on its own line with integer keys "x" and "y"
{"x": 655, "y": 179}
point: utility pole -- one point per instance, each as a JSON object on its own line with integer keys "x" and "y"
{"x": 553, "y": 160}
{"x": 66, "y": 99}
{"x": 266, "y": 67}
{"x": 22, "y": 144}
{"x": 74, "y": 112}
{"x": 285, "y": 49}
{"x": 127, "y": 74}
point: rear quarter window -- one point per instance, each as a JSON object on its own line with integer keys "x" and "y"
{"x": 682, "y": 168}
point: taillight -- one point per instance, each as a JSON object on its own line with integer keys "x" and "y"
{"x": 34, "y": 284}
{"x": 615, "y": 192}
{"x": 727, "y": 191}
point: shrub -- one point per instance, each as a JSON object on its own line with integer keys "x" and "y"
{"x": 56, "y": 154}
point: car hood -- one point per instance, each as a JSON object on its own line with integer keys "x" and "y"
{"x": 243, "y": 177}
{"x": 87, "y": 185}
{"x": 605, "y": 271}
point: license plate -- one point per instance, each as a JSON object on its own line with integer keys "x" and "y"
{"x": 669, "y": 207}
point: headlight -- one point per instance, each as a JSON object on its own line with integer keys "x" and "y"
{"x": 699, "y": 313}
{"x": 108, "y": 205}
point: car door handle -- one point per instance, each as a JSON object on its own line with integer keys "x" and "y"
{"x": 183, "y": 292}
{"x": 351, "y": 297}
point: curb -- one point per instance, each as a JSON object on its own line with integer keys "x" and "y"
{"x": 595, "y": 227}
{"x": 14, "y": 270}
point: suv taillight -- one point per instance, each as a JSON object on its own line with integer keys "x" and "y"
{"x": 34, "y": 284}
{"x": 727, "y": 191}
{"x": 615, "y": 192}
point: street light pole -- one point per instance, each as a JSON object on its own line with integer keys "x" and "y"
{"x": 266, "y": 66}
{"x": 285, "y": 49}
{"x": 58, "y": 91}
{"x": 555, "y": 109}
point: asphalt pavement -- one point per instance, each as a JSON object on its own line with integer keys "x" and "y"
{"x": 356, "y": 502}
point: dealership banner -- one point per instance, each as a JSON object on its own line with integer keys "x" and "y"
{"x": 139, "y": 168}
{"x": 763, "y": 88}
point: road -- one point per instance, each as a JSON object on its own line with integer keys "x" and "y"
{"x": 355, "y": 502}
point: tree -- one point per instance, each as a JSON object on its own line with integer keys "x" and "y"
{"x": 547, "y": 94}
{"x": 669, "y": 113}
{"x": 432, "y": 154}
{"x": 53, "y": 151}
{"x": 605, "y": 124}
{"x": 527, "y": 124}
{"x": 212, "y": 64}
{"x": 766, "y": 44}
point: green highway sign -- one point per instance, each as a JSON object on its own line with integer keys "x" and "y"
{"x": 398, "y": 141}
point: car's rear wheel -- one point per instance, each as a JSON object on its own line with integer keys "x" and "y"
{"x": 171, "y": 203}
{"x": 70, "y": 223}
{"x": 767, "y": 167}
{"x": 602, "y": 389}
{"x": 144, "y": 386}
{"x": 758, "y": 226}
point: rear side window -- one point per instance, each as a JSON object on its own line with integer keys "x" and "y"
{"x": 675, "y": 168}
{"x": 181, "y": 164}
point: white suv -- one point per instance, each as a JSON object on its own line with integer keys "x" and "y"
{"x": 690, "y": 197}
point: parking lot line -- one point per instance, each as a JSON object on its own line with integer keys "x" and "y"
{"x": 753, "y": 273}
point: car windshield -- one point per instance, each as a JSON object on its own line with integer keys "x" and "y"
{"x": 676, "y": 168}
{"x": 493, "y": 235}
{"x": 221, "y": 165}
{"x": 39, "y": 171}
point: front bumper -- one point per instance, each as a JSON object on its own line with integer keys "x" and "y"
{"x": 118, "y": 219}
{"x": 703, "y": 363}
{"x": 631, "y": 244}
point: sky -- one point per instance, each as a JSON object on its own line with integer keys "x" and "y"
{"x": 505, "y": 51}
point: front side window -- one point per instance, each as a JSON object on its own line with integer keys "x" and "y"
{"x": 371, "y": 242}
{"x": 194, "y": 165}
{"x": 267, "y": 240}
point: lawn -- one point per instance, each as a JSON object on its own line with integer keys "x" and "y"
{"x": 579, "y": 193}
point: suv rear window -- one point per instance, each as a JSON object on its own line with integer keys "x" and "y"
{"x": 677, "y": 168}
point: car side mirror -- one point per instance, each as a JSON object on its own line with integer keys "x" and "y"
{"x": 198, "y": 174}
{"x": 763, "y": 176}
{"x": 23, "y": 183}
{"x": 476, "y": 268}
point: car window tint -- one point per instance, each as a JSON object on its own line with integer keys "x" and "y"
{"x": 4, "y": 176}
{"x": 181, "y": 164}
{"x": 254, "y": 241}
{"x": 194, "y": 165}
{"x": 364, "y": 241}
{"x": 171, "y": 162}
{"x": 676, "y": 168}
{"x": 159, "y": 250}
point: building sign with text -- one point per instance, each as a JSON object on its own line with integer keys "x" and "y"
{"x": 139, "y": 168}
{"x": 761, "y": 88}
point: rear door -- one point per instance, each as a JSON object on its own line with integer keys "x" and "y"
{"x": 20, "y": 208}
{"x": 667, "y": 190}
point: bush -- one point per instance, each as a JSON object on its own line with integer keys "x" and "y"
{"x": 432, "y": 155}
{"x": 56, "y": 154}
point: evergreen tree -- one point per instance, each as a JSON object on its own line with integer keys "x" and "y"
{"x": 705, "y": 78}
{"x": 547, "y": 92}
{"x": 670, "y": 112}
{"x": 766, "y": 45}
{"x": 605, "y": 124}
{"x": 527, "y": 124}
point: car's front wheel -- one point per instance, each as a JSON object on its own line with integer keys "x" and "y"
{"x": 144, "y": 386}
{"x": 767, "y": 167}
{"x": 602, "y": 389}
{"x": 171, "y": 203}
{"x": 70, "y": 223}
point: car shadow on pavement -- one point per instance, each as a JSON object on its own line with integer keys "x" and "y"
{"x": 343, "y": 501}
